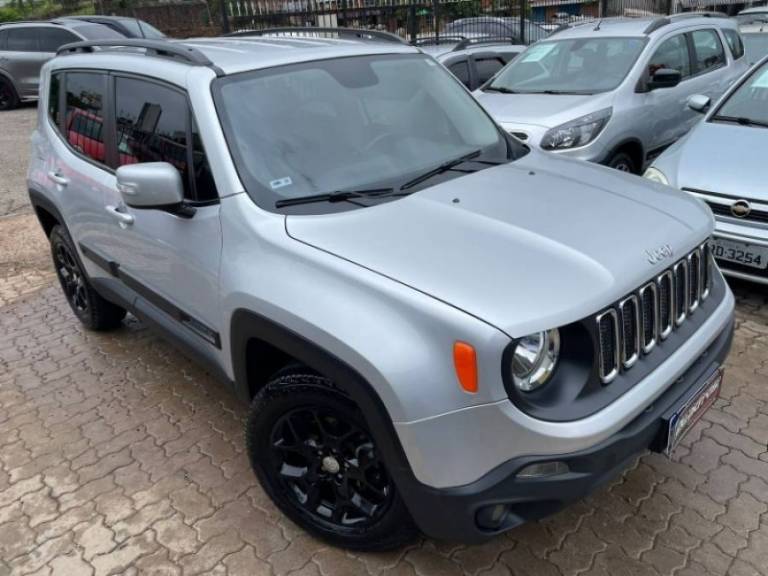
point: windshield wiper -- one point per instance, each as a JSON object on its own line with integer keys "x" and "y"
{"x": 741, "y": 120}
{"x": 444, "y": 167}
{"x": 500, "y": 89}
{"x": 337, "y": 196}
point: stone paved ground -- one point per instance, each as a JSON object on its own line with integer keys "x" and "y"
{"x": 118, "y": 455}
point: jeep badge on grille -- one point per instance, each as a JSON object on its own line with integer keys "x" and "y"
{"x": 657, "y": 255}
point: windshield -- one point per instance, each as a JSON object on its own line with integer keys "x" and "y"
{"x": 752, "y": 18}
{"x": 349, "y": 124}
{"x": 571, "y": 66}
{"x": 97, "y": 32}
{"x": 140, "y": 29}
{"x": 749, "y": 102}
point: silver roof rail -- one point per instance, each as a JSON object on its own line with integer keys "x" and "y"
{"x": 327, "y": 32}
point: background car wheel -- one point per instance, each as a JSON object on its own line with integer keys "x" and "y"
{"x": 312, "y": 451}
{"x": 623, "y": 162}
{"x": 8, "y": 98}
{"x": 90, "y": 308}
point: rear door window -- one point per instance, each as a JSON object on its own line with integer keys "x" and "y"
{"x": 734, "y": 43}
{"x": 84, "y": 117}
{"x": 708, "y": 51}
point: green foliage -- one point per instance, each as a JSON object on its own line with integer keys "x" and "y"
{"x": 44, "y": 9}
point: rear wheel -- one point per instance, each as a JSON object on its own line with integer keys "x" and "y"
{"x": 622, "y": 162}
{"x": 90, "y": 308}
{"x": 8, "y": 97}
{"x": 315, "y": 457}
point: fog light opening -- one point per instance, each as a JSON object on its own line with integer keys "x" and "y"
{"x": 492, "y": 517}
{"x": 543, "y": 469}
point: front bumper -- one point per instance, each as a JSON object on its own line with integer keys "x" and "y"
{"x": 454, "y": 513}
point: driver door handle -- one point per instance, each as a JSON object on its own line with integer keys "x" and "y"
{"x": 54, "y": 176}
{"x": 122, "y": 218}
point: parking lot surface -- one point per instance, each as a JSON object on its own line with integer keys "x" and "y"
{"x": 119, "y": 455}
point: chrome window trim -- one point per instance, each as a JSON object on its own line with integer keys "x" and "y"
{"x": 608, "y": 378}
{"x": 629, "y": 362}
{"x": 655, "y": 321}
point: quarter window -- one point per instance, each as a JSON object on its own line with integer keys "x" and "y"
{"x": 84, "y": 120}
{"x": 672, "y": 54}
{"x": 153, "y": 125}
{"x": 53, "y": 100}
{"x": 708, "y": 50}
{"x": 735, "y": 43}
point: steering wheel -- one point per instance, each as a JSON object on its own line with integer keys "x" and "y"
{"x": 377, "y": 140}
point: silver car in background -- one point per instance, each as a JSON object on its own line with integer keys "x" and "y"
{"x": 614, "y": 91}
{"x": 722, "y": 161}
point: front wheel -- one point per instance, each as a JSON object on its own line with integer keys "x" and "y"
{"x": 622, "y": 162}
{"x": 312, "y": 451}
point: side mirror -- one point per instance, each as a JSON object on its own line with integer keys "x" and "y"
{"x": 150, "y": 185}
{"x": 699, "y": 103}
{"x": 665, "y": 78}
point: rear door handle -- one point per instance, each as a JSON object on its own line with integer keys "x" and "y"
{"x": 122, "y": 218}
{"x": 58, "y": 178}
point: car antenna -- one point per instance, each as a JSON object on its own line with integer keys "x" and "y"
{"x": 597, "y": 26}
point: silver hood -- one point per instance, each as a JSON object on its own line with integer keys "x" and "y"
{"x": 737, "y": 153}
{"x": 525, "y": 246}
{"x": 545, "y": 110}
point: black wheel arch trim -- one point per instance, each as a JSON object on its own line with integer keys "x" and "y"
{"x": 627, "y": 142}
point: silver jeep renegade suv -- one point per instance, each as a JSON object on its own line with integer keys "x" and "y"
{"x": 435, "y": 326}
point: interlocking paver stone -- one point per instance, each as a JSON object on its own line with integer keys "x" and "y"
{"x": 118, "y": 455}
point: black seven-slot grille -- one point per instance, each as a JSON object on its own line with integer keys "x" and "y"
{"x": 640, "y": 320}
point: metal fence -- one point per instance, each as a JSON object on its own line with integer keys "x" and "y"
{"x": 522, "y": 21}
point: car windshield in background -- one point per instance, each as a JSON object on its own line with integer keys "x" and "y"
{"x": 570, "y": 66}
{"x": 756, "y": 45}
{"x": 350, "y": 124}
{"x": 96, "y": 32}
{"x": 748, "y": 105}
{"x": 752, "y": 18}
{"x": 141, "y": 29}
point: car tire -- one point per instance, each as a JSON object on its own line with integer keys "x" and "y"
{"x": 311, "y": 449}
{"x": 91, "y": 309}
{"x": 622, "y": 162}
{"x": 8, "y": 98}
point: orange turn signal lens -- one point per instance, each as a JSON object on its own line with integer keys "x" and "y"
{"x": 465, "y": 362}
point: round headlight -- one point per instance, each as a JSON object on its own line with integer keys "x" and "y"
{"x": 534, "y": 359}
{"x": 656, "y": 175}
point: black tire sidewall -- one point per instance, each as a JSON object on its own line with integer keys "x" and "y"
{"x": 622, "y": 158}
{"x": 14, "y": 102}
{"x": 101, "y": 314}
{"x": 291, "y": 391}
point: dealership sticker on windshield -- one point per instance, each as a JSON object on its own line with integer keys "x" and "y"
{"x": 537, "y": 52}
{"x": 281, "y": 183}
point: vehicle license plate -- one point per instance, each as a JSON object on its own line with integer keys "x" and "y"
{"x": 683, "y": 419}
{"x": 740, "y": 252}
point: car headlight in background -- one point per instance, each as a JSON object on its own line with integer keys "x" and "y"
{"x": 534, "y": 359}
{"x": 575, "y": 133}
{"x": 656, "y": 175}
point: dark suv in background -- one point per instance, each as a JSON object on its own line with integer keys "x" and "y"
{"x": 26, "y": 46}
